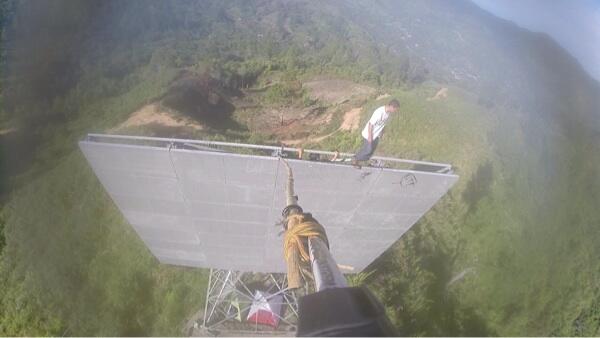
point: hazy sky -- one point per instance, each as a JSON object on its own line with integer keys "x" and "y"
{"x": 574, "y": 24}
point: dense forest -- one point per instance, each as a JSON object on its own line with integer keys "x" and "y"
{"x": 511, "y": 250}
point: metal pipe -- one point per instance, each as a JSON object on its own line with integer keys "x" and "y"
{"x": 214, "y": 307}
{"x": 290, "y": 197}
{"x": 324, "y": 268}
{"x": 208, "y": 292}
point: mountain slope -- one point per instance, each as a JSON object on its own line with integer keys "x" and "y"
{"x": 512, "y": 250}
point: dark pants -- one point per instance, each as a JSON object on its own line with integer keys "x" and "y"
{"x": 367, "y": 150}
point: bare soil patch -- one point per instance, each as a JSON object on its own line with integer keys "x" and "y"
{"x": 156, "y": 114}
{"x": 350, "y": 122}
{"x": 441, "y": 94}
{"x": 351, "y": 119}
{"x": 336, "y": 91}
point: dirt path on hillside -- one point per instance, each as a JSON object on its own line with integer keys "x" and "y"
{"x": 156, "y": 114}
{"x": 441, "y": 94}
{"x": 350, "y": 122}
{"x": 351, "y": 119}
{"x": 336, "y": 91}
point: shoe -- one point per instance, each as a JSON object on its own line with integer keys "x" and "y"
{"x": 356, "y": 164}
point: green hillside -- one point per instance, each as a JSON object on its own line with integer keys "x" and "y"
{"x": 511, "y": 250}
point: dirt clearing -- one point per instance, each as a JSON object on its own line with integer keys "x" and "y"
{"x": 441, "y": 94}
{"x": 156, "y": 114}
{"x": 336, "y": 91}
{"x": 351, "y": 120}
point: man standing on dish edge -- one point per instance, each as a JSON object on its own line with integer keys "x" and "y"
{"x": 373, "y": 131}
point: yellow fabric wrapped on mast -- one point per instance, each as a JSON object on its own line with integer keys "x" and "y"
{"x": 301, "y": 227}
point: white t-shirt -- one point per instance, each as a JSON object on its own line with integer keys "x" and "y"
{"x": 378, "y": 120}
